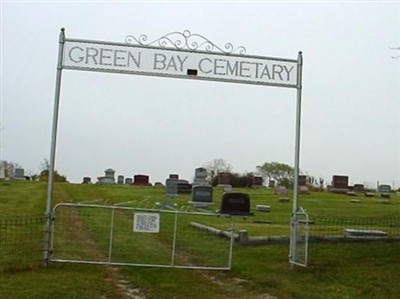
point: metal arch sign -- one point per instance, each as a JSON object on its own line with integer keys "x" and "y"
{"x": 178, "y": 60}
{"x": 177, "y": 55}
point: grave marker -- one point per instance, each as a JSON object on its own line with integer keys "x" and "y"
{"x": 86, "y": 180}
{"x": 235, "y": 204}
{"x": 200, "y": 176}
{"x": 257, "y": 182}
{"x": 141, "y": 180}
{"x": 224, "y": 178}
{"x": 202, "y": 196}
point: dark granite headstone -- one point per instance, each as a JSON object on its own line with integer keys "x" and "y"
{"x": 340, "y": 181}
{"x": 302, "y": 180}
{"x": 359, "y": 188}
{"x": 257, "y": 182}
{"x": 235, "y": 204}
{"x": 86, "y": 180}
{"x": 202, "y": 194}
{"x": 120, "y": 179}
{"x": 271, "y": 184}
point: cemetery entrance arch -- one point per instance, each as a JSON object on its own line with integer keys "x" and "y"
{"x": 177, "y": 55}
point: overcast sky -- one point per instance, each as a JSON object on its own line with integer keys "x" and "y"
{"x": 157, "y": 126}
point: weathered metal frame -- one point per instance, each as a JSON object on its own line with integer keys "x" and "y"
{"x": 176, "y": 213}
{"x": 175, "y": 47}
{"x": 293, "y": 258}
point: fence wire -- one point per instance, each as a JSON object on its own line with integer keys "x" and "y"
{"x": 21, "y": 241}
{"x": 22, "y": 238}
{"x": 334, "y": 227}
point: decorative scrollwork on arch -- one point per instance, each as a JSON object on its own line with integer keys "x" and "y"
{"x": 185, "y": 41}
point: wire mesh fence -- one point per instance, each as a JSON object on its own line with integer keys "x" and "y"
{"x": 21, "y": 241}
{"x": 361, "y": 228}
{"x": 22, "y": 238}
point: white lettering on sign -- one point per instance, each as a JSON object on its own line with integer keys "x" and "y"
{"x": 175, "y": 63}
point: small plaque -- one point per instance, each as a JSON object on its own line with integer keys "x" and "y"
{"x": 146, "y": 222}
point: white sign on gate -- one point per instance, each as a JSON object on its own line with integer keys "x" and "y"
{"x": 146, "y": 222}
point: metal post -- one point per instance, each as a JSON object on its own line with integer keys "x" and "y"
{"x": 293, "y": 224}
{"x": 174, "y": 240}
{"x": 111, "y": 235}
{"x": 53, "y": 148}
{"x": 298, "y": 123}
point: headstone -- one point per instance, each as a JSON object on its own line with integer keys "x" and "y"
{"x": 202, "y": 195}
{"x": 120, "y": 179}
{"x": 86, "y": 180}
{"x": 235, "y": 204}
{"x": 303, "y": 190}
{"x": 257, "y": 182}
{"x": 224, "y": 178}
{"x": 200, "y": 176}
{"x": 360, "y": 233}
{"x": 171, "y": 187}
{"x": 302, "y": 180}
{"x": 340, "y": 181}
{"x": 384, "y": 189}
{"x": 358, "y": 188}
{"x": 174, "y": 176}
{"x": 105, "y": 180}
{"x": 280, "y": 190}
{"x": 340, "y": 184}
{"x": 158, "y": 185}
{"x": 141, "y": 180}
{"x": 263, "y": 208}
{"x": 271, "y": 184}
{"x": 128, "y": 181}
{"x": 108, "y": 178}
{"x": 109, "y": 173}
{"x": 184, "y": 187}
{"x": 2, "y": 170}
{"x": 355, "y": 200}
{"x": 19, "y": 174}
{"x": 227, "y": 188}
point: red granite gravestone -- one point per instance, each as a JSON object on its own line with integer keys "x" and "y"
{"x": 141, "y": 180}
{"x": 224, "y": 178}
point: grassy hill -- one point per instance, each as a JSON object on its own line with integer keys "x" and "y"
{"x": 336, "y": 270}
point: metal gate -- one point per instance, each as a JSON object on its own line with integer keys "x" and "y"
{"x": 299, "y": 238}
{"x": 117, "y": 235}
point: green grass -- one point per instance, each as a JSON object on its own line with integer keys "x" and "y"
{"x": 336, "y": 270}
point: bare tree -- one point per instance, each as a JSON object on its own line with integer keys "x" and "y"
{"x": 217, "y": 166}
